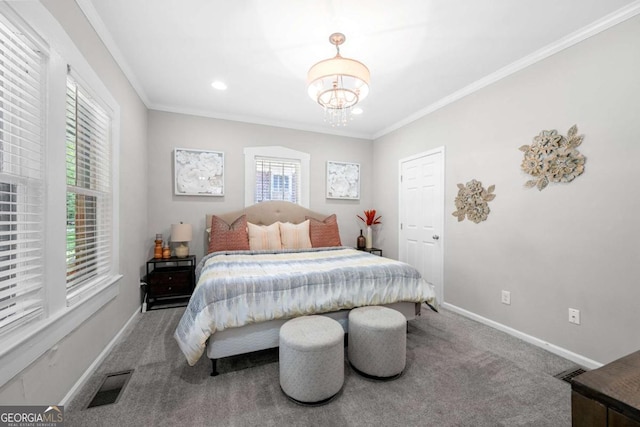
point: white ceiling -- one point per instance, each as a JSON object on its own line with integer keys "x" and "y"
{"x": 421, "y": 53}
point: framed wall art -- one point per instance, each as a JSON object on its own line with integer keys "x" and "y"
{"x": 198, "y": 172}
{"x": 343, "y": 180}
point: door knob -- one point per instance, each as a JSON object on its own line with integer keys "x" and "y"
{"x": 436, "y": 237}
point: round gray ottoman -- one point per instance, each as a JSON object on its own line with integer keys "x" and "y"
{"x": 377, "y": 341}
{"x": 311, "y": 359}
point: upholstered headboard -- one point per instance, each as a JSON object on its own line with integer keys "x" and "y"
{"x": 267, "y": 213}
{"x": 322, "y": 229}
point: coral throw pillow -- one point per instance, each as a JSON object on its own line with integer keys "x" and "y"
{"x": 295, "y": 236}
{"x": 324, "y": 233}
{"x": 264, "y": 236}
{"x": 225, "y": 237}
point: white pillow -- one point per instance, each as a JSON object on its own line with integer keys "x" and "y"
{"x": 264, "y": 236}
{"x": 295, "y": 236}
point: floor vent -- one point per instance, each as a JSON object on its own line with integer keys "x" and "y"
{"x": 111, "y": 389}
{"x": 569, "y": 374}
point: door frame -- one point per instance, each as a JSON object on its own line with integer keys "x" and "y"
{"x": 441, "y": 150}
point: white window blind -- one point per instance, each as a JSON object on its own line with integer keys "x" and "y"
{"x": 89, "y": 192}
{"x": 277, "y": 179}
{"x": 21, "y": 179}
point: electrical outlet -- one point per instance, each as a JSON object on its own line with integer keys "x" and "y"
{"x": 574, "y": 316}
{"x": 506, "y": 297}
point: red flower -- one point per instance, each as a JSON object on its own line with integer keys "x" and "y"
{"x": 371, "y": 217}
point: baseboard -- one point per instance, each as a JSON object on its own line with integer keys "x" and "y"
{"x": 96, "y": 363}
{"x": 569, "y": 355}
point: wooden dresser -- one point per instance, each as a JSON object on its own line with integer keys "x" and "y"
{"x": 608, "y": 396}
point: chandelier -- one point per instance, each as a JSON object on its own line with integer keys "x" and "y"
{"x": 338, "y": 84}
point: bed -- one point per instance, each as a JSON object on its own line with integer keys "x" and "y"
{"x": 243, "y": 296}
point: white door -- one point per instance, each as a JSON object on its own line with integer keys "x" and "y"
{"x": 421, "y": 212}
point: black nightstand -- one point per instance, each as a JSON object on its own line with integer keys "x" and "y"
{"x": 170, "y": 280}
{"x": 374, "y": 251}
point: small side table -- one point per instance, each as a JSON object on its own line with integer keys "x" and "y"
{"x": 374, "y": 251}
{"x": 170, "y": 280}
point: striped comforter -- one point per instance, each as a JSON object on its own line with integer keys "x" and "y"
{"x": 243, "y": 287}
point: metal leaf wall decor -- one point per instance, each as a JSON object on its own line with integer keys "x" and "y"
{"x": 471, "y": 201}
{"x": 553, "y": 158}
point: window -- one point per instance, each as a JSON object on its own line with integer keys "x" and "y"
{"x": 47, "y": 179}
{"x": 21, "y": 179}
{"x": 276, "y": 173}
{"x": 88, "y": 200}
{"x": 277, "y": 179}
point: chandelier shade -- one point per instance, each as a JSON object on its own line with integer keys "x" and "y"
{"x": 338, "y": 83}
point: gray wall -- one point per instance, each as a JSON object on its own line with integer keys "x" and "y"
{"x": 48, "y": 380}
{"x": 169, "y": 130}
{"x": 571, "y": 245}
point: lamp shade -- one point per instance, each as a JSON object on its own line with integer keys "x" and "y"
{"x": 181, "y": 232}
{"x": 338, "y": 82}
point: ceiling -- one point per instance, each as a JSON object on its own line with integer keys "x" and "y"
{"x": 422, "y": 54}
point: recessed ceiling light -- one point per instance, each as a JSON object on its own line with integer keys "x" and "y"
{"x": 218, "y": 85}
{"x": 356, "y": 111}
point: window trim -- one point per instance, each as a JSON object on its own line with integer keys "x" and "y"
{"x": 18, "y": 351}
{"x": 38, "y": 339}
{"x": 283, "y": 153}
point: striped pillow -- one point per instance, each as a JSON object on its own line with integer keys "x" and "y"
{"x": 295, "y": 236}
{"x": 225, "y": 237}
{"x": 264, "y": 236}
{"x": 324, "y": 233}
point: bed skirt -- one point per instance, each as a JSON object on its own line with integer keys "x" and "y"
{"x": 264, "y": 335}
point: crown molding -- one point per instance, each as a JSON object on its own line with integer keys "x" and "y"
{"x": 261, "y": 121}
{"x": 90, "y": 12}
{"x": 574, "y": 38}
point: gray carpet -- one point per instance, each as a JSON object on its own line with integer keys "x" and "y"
{"x": 459, "y": 373}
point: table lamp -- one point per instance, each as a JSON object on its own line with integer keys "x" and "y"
{"x": 181, "y": 233}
